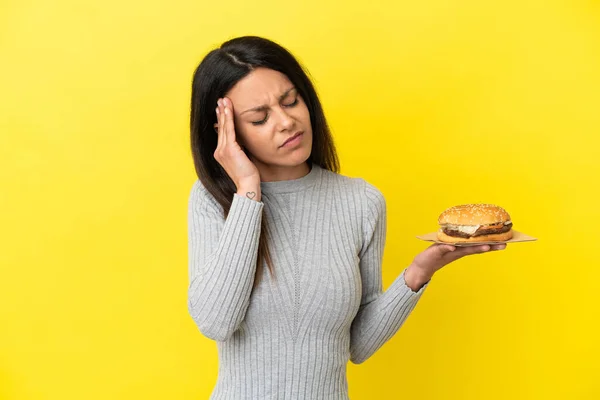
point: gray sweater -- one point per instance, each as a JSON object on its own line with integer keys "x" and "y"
{"x": 291, "y": 338}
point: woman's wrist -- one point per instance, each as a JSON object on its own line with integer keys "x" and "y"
{"x": 251, "y": 192}
{"x": 415, "y": 277}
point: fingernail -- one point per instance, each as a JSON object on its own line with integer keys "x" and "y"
{"x": 217, "y": 109}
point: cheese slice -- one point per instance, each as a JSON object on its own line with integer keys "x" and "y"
{"x": 468, "y": 229}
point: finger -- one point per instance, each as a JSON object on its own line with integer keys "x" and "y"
{"x": 479, "y": 249}
{"x": 439, "y": 246}
{"x": 222, "y": 137}
{"x": 229, "y": 125}
{"x": 469, "y": 250}
{"x": 218, "y": 126}
{"x": 445, "y": 248}
{"x": 498, "y": 247}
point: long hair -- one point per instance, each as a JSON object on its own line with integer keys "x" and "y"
{"x": 216, "y": 74}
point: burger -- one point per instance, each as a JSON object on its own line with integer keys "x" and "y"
{"x": 473, "y": 223}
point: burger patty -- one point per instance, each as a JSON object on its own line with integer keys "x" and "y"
{"x": 480, "y": 232}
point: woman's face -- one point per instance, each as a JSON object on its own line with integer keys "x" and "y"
{"x": 268, "y": 110}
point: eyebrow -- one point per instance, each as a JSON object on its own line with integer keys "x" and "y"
{"x": 265, "y": 107}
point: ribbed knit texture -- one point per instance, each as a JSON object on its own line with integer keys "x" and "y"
{"x": 292, "y": 337}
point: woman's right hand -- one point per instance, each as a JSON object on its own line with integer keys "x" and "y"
{"x": 230, "y": 155}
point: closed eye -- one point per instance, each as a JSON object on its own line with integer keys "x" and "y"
{"x": 292, "y": 104}
{"x": 260, "y": 122}
{"x": 267, "y": 116}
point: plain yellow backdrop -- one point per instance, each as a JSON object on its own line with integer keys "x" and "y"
{"x": 435, "y": 102}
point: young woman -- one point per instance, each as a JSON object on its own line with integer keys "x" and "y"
{"x": 285, "y": 253}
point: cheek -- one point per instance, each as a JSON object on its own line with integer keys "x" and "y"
{"x": 255, "y": 137}
{"x": 302, "y": 113}
{"x": 306, "y": 119}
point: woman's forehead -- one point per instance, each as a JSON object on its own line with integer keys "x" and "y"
{"x": 259, "y": 87}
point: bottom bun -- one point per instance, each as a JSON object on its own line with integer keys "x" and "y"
{"x": 495, "y": 237}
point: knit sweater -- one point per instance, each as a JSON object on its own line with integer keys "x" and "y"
{"x": 292, "y": 336}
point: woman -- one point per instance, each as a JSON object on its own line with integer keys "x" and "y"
{"x": 269, "y": 195}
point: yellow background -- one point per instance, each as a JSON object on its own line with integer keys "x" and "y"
{"x": 435, "y": 102}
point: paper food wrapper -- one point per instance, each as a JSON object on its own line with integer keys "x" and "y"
{"x": 517, "y": 237}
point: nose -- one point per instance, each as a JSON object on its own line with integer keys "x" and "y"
{"x": 284, "y": 120}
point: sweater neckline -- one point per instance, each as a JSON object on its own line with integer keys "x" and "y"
{"x": 293, "y": 185}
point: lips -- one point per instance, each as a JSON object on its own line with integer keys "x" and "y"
{"x": 293, "y": 137}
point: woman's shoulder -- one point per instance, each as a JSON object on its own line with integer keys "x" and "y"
{"x": 199, "y": 197}
{"x": 356, "y": 184}
{"x": 198, "y": 190}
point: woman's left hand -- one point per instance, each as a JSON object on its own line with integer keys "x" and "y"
{"x": 426, "y": 263}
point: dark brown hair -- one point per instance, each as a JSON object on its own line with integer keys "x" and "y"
{"x": 216, "y": 74}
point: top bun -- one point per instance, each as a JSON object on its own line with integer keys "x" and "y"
{"x": 473, "y": 214}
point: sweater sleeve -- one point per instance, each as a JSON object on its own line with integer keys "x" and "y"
{"x": 222, "y": 261}
{"x": 381, "y": 314}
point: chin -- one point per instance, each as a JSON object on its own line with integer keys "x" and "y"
{"x": 295, "y": 159}
{"x": 297, "y": 156}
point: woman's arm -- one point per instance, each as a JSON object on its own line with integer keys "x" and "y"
{"x": 222, "y": 261}
{"x": 381, "y": 314}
